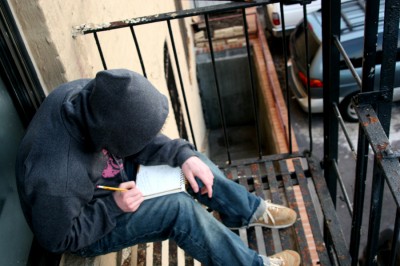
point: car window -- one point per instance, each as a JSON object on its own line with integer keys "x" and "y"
{"x": 300, "y": 48}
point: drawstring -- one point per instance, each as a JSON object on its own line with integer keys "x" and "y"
{"x": 120, "y": 164}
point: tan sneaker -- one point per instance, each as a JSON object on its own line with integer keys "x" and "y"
{"x": 285, "y": 258}
{"x": 276, "y": 216}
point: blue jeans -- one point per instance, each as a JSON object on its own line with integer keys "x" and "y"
{"x": 194, "y": 229}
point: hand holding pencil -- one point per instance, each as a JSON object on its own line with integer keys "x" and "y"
{"x": 130, "y": 199}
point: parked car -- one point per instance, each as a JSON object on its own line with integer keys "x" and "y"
{"x": 293, "y": 15}
{"x": 352, "y": 38}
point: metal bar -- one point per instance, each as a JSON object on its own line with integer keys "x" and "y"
{"x": 301, "y": 238}
{"x": 269, "y": 239}
{"x": 91, "y": 28}
{"x": 223, "y": 121}
{"x": 258, "y": 185}
{"x": 359, "y": 195}
{"x": 312, "y": 215}
{"x": 284, "y": 234}
{"x": 273, "y": 157}
{"x": 378, "y": 184}
{"x": 379, "y": 143}
{"x": 285, "y": 56}
{"x": 305, "y": 26}
{"x": 395, "y": 241}
{"x": 368, "y": 78}
{"x": 344, "y": 128}
{"x": 347, "y": 60}
{"x": 251, "y": 231}
{"x": 333, "y": 228}
{"x": 331, "y": 58}
{"x": 389, "y": 46}
{"x": 96, "y": 38}
{"x": 138, "y": 51}
{"x": 253, "y": 90}
{"x": 178, "y": 69}
{"x": 342, "y": 186}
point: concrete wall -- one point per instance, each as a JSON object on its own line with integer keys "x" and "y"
{"x": 47, "y": 28}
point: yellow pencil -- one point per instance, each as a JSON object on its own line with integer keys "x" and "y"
{"x": 111, "y": 188}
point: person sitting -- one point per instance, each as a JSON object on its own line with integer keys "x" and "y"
{"x": 92, "y": 132}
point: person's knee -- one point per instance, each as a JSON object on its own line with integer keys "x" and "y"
{"x": 179, "y": 202}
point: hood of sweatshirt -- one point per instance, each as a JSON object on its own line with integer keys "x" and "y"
{"x": 119, "y": 110}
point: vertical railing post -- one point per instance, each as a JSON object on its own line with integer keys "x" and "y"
{"x": 171, "y": 35}
{"x": 370, "y": 40}
{"x": 395, "y": 240}
{"x": 103, "y": 61}
{"x": 253, "y": 90}
{"x": 138, "y": 51}
{"x": 330, "y": 28}
{"x": 285, "y": 56}
{"x": 305, "y": 27}
{"x": 383, "y": 110}
{"x": 221, "y": 110}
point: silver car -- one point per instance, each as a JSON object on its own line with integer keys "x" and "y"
{"x": 293, "y": 15}
{"x": 352, "y": 38}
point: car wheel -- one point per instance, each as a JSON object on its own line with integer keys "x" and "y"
{"x": 347, "y": 110}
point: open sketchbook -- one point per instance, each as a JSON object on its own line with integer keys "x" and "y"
{"x": 159, "y": 180}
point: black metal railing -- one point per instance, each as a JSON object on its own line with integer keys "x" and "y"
{"x": 205, "y": 12}
{"x": 370, "y": 134}
{"x": 373, "y": 107}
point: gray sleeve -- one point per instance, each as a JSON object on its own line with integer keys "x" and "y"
{"x": 163, "y": 150}
{"x": 68, "y": 224}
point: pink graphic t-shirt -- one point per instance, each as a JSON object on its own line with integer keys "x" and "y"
{"x": 113, "y": 166}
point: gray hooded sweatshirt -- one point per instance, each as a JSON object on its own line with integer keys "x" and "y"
{"x": 81, "y": 136}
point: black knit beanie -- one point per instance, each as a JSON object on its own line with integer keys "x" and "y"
{"x": 127, "y": 112}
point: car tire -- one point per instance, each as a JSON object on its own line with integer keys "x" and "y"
{"x": 347, "y": 110}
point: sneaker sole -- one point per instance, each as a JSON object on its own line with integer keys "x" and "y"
{"x": 264, "y": 225}
{"x": 273, "y": 226}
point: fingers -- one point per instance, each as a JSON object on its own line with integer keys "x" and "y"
{"x": 130, "y": 200}
{"x": 195, "y": 167}
{"x": 192, "y": 182}
{"x": 127, "y": 185}
{"x": 209, "y": 190}
{"x": 208, "y": 182}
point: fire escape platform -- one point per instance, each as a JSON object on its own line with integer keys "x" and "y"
{"x": 284, "y": 178}
{"x": 294, "y": 182}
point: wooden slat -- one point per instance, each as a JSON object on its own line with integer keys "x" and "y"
{"x": 141, "y": 255}
{"x": 173, "y": 253}
{"x": 157, "y": 253}
{"x": 331, "y": 221}
{"x": 285, "y": 239}
{"x": 301, "y": 238}
{"x": 311, "y": 213}
{"x": 149, "y": 253}
{"x": 251, "y": 232}
{"x": 258, "y": 187}
{"x": 165, "y": 253}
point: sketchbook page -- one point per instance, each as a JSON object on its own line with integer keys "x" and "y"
{"x": 159, "y": 180}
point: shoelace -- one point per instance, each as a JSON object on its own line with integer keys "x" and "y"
{"x": 267, "y": 214}
{"x": 277, "y": 261}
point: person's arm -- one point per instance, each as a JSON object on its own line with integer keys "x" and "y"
{"x": 163, "y": 150}
{"x": 181, "y": 153}
{"x": 69, "y": 223}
